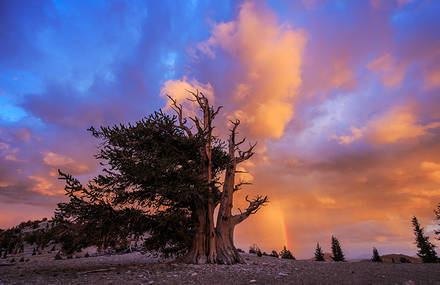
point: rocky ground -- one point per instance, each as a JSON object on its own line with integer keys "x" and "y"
{"x": 136, "y": 268}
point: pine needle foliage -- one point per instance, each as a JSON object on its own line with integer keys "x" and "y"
{"x": 426, "y": 249}
{"x": 376, "y": 257}
{"x": 319, "y": 255}
{"x": 338, "y": 255}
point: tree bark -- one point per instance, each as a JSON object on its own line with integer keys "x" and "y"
{"x": 215, "y": 244}
{"x": 198, "y": 250}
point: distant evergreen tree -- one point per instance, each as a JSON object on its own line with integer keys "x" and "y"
{"x": 286, "y": 254}
{"x": 426, "y": 248}
{"x": 254, "y": 249}
{"x": 274, "y": 254}
{"x": 336, "y": 250}
{"x": 376, "y": 256}
{"x": 437, "y": 217}
{"x": 319, "y": 255}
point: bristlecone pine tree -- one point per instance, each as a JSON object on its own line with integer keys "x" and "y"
{"x": 319, "y": 255}
{"x": 169, "y": 168}
{"x": 426, "y": 248}
{"x": 376, "y": 256}
{"x": 286, "y": 254}
{"x": 437, "y": 217}
{"x": 336, "y": 250}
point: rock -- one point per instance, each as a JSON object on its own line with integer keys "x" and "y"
{"x": 194, "y": 274}
{"x": 253, "y": 281}
{"x": 282, "y": 274}
{"x": 409, "y": 282}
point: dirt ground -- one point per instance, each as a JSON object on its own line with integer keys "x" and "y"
{"x": 136, "y": 268}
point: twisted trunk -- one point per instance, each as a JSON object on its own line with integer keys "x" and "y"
{"x": 215, "y": 244}
{"x": 198, "y": 249}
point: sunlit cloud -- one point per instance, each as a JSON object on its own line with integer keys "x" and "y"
{"x": 396, "y": 125}
{"x": 390, "y": 71}
{"x": 44, "y": 186}
{"x": 267, "y": 79}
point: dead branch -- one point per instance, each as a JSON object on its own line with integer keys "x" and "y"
{"x": 245, "y": 155}
{"x": 240, "y": 184}
{"x": 178, "y": 109}
{"x": 254, "y": 206}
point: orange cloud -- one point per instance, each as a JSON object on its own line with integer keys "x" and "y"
{"x": 54, "y": 159}
{"x": 178, "y": 89}
{"x": 432, "y": 79}
{"x": 44, "y": 186}
{"x": 392, "y": 73}
{"x": 398, "y": 124}
{"x": 58, "y": 160}
{"x": 269, "y": 73}
{"x": 432, "y": 169}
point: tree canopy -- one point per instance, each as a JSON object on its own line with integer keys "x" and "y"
{"x": 163, "y": 175}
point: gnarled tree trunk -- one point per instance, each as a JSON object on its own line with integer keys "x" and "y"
{"x": 216, "y": 244}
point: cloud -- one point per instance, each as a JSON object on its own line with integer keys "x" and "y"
{"x": 179, "y": 90}
{"x": 268, "y": 76}
{"x": 44, "y": 186}
{"x": 391, "y": 72}
{"x": 396, "y": 125}
{"x": 433, "y": 171}
{"x": 65, "y": 163}
{"x": 432, "y": 78}
{"x": 53, "y": 159}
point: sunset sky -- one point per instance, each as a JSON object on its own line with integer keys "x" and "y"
{"x": 343, "y": 98}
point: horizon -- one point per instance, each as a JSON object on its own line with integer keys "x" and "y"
{"x": 343, "y": 99}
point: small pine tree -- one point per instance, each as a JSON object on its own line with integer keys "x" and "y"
{"x": 376, "y": 256}
{"x": 336, "y": 250}
{"x": 319, "y": 255}
{"x": 286, "y": 254}
{"x": 274, "y": 254}
{"x": 34, "y": 252}
{"x": 254, "y": 249}
{"x": 437, "y": 217}
{"x": 426, "y": 248}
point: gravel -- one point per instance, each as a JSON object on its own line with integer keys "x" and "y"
{"x": 136, "y": 268}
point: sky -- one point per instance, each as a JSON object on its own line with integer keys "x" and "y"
{"x": 343, "y": 98}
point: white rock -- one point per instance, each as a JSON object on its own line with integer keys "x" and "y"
{"x": 253, "y": 281}
{"x": 194, "y": 274}
{"x": 282, "y": 274}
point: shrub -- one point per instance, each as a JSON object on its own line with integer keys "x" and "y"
{"x": 274, "y": 254}
{"x": 286, "y": 254}
{"x": 254, "y": 249}
{"x": 58, "y": 256}
{"x": 376, "y": 256}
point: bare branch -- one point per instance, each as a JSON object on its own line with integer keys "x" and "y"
{"x": 178, "y": 109}
{"x": 245, "y": 155}
{"x": 254, "y": 206}
{"x": 242, "y": 183}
